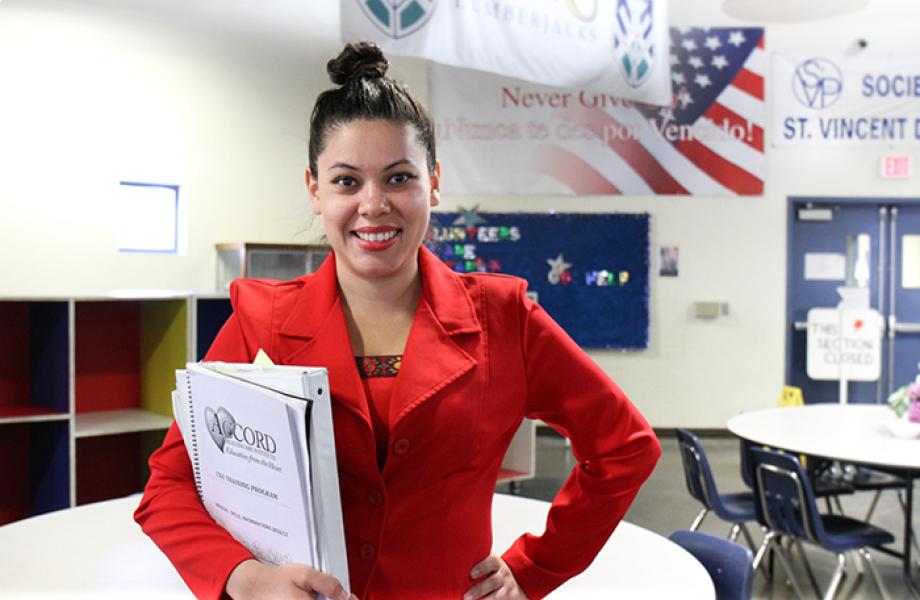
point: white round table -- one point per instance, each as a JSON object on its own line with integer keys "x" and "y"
{"x": 97, "y": 551}
{"x": 855, "y": 433}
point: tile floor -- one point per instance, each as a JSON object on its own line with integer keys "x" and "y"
{"x": 664, "y": 505}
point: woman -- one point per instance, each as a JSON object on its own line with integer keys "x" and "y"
{"x": 431, "y": 373}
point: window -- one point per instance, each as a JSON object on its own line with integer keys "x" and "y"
{"x": 148, "y": 218}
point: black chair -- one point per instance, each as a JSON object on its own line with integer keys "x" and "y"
{"x": 786, "y": 505}
{"x": 730, "y": 565}
{"x": 735, "y": 508}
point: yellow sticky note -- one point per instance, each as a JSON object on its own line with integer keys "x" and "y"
{"x": 262, "y": 358}
{"x": 791, "y": 396}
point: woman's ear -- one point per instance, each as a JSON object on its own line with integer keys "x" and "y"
{"x": 436, "y": 184}
{"x": 313, "y": 191}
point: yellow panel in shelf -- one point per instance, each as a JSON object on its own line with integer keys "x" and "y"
{"x": 164, "y": 343}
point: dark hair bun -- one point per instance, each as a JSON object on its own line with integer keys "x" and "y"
{"x": 358, "y": 60}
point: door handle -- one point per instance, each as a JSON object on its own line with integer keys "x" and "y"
{"x": 906, "y": 327}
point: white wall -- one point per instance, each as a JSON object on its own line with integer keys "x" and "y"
{"x": 97, "y": 91}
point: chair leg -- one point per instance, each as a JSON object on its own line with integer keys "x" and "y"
{"x": 787, "y": 567}
{"x": 836, "y": 578}
{"x": 735, "y": 530}
{"x": 811, "y": 573}
{"x": 750, "y": 540}
{"x": 699, "y": 519}
{"x": 839, "y": 505}
{"x": 768, "y": 539}
{"x": 874, "y": 570}
{"x": 873, "y": 504}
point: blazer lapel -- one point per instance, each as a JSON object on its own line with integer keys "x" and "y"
{"x": 316, "y": 335}
{"x": 433, "y": 359}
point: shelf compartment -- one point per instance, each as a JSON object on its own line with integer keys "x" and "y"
{"x": 113, "y": 466}
{"x": 127, "y": 352}
{"x": 36, "y": 467}
{"x": 34, "y": 358}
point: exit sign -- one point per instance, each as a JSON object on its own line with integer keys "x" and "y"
{"x": 895, "y": 166}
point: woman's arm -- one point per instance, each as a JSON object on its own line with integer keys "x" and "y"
{"x": 615, "y": 447}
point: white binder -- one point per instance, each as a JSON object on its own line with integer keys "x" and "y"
{"x": 261, "y": 443}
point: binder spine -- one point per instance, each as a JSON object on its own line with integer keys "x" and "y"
{"x": 196, "y": 464}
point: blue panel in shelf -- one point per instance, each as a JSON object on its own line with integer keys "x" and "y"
{"x": 48, "y": 355}
{"x": 211, "y": 316}
{"x": 50, "y": 467}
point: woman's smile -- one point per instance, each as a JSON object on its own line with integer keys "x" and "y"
{"x": 377, "y": 239}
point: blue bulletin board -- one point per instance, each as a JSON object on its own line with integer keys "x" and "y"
{"x": 589, "y": 270}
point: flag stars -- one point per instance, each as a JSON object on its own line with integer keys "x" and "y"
{"x": 678, "y": 77}
{"x": 684, "y": 98}
{"x": 718, "y": 61}
{"x": 736, "y": 38}
{"x": 666, "y": 113}
{"x": 713, "y": 43}
{"x": 675, "y": 60}
{"x": 689, "y": 45}
{"x": 702, "y": 80}
{"x": 695, "y": 62}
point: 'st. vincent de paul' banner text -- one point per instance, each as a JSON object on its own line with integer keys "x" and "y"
{"x": 618, "y": 47}
{"x": 836, "y": 100}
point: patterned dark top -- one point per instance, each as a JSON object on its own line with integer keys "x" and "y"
{"x": 378, "y": 366}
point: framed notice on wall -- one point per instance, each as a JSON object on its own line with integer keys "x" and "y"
{"x": 588, "y": 270}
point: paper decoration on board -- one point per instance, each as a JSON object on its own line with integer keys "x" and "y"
{"x": 589, "y": 271}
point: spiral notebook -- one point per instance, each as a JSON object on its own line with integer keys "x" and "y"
{"x": 261, "y": 444}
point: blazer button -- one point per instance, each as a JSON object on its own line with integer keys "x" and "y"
{"x": 368, "y": 552}
{"x": 401, "y": 446}
{"x": 375, "y": 498}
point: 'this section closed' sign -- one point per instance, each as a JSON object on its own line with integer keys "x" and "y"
{"x": 844, "y": 343}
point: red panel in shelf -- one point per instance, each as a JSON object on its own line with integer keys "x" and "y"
{"x": 108, "y": 467}
{"x": 107, "y": 355}
{"x": 14, "y": 353}
{"x": 15, "y": 493}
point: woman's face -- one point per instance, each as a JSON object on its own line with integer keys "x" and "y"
{"x": 374, "y": 191}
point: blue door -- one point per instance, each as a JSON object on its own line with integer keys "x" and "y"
{"x": 871, "y": 244}
{"x": 903, "y": 335}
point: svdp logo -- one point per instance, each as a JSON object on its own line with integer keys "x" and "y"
{"x": 398, "y": 18}
{"x": 633, "y": 47}
{"x": 817, "y": 83}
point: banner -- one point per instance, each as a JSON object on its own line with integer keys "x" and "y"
{"x": 502, "y": 136}
{"x": 589, "y": 271}
{"x": 835, "y": 101}
{"x": 618, "y": 47}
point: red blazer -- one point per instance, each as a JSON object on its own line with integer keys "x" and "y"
{"x": 480, "y": 357}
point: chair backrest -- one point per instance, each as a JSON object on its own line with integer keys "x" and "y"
{"x": 697, "y": 474}
{"x": 783, "y": 496}
{"x": 730, "y": 565}
{"x": 747, "y": 469}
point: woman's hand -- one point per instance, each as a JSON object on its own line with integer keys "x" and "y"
{"x": 499, "y": 582}
{"x": 252, "y": 579}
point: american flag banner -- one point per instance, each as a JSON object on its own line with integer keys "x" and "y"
{"x": 502, "y": 136}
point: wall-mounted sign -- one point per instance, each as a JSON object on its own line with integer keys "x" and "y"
{"x": 835, "y": 100}
{"x": 498, "y": 135}
{"x": 895, "y": 166}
